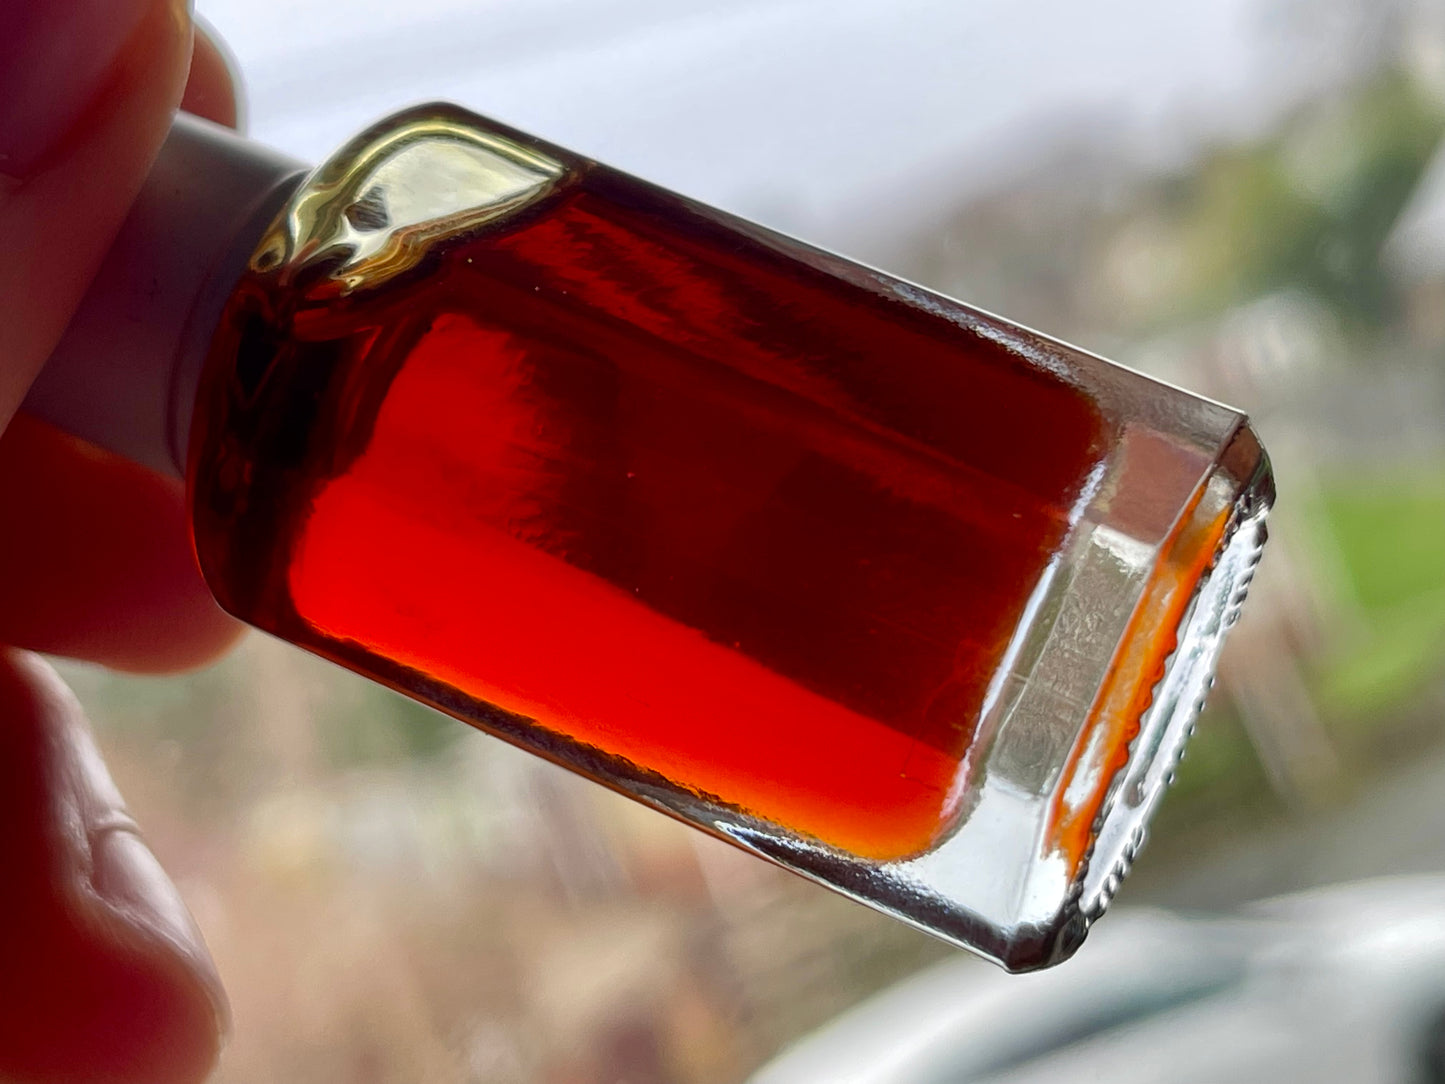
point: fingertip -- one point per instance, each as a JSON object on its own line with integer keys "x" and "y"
{"x": 213, "y": 88}
{"x": 58, "y": 220}
{"x": 97, "y": 563}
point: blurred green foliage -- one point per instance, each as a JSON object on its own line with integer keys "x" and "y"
{"x": 1389, "y": 536}
{"x": 1218, "y": 779}
{"x": 1308, "y": 209}
{"x": 1389, "y": 546}
{"x": 378, "y": 727}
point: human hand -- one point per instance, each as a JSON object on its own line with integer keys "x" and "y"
{"x": 103, "y": 976}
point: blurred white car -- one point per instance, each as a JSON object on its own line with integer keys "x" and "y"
{"x": 1339, "y": 984}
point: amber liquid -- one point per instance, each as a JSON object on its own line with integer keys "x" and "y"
{"x": 649, "y": 493}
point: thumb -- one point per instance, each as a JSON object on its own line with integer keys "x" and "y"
{"x": 103, "y": 976}
{"x": 87, "y": 88}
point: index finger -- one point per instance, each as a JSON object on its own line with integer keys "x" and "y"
{"x": 97, "y": 564}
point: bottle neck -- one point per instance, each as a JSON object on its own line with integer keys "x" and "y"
{"x": 124, "y": 375}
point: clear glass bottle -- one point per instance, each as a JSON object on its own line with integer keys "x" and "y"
{"x": 909, "y": 599}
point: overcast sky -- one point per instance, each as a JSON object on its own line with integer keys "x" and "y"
{"x": 795, "y": 111}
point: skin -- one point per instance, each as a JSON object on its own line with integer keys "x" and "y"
{"x": 103, "y": 977}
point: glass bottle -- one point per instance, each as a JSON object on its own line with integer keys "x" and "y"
{"x": 911, "y": 600}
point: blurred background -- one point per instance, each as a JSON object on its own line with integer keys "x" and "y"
{"x": 1246, "y": 197}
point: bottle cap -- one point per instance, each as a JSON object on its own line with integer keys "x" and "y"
{"x": 124, "y": 375}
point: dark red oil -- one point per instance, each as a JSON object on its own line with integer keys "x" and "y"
{"x": 688, "y": 509}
